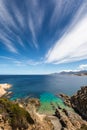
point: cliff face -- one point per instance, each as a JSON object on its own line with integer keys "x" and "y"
{"x": 74, "y": 119}
{"x": 79, "y": 102}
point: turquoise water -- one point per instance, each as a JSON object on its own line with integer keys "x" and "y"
{"x": 47, "y": 101}
{"x": 44, "y": 87}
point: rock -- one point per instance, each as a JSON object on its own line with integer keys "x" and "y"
{"x": 2, "y": 91}
{"x": 66, "y": 99}
{"x": 1, "y": 128}
{"x": 65, "y": 111}
{"x": 57, "y": 113}
{"x": 79, "y": 102}
{"x": 56, "y": 123}
{"x": 1, "y": 120}
{"x": 4, "y": 88}
{"x": 69, "y": 119}
{"x": 42, "y": 122}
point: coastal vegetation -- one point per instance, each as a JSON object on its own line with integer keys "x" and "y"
{"x": 17, "y": 117}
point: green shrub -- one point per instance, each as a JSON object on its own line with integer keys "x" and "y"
{"x": 18, "y": 117}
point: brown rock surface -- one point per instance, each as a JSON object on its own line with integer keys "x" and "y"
{"x": 4, "y": 88}
{"x": 69, "y": 120}
{"x": 41, "y": 121}
{"x": 66, "y": 99}
{"x": 79, "y": 101}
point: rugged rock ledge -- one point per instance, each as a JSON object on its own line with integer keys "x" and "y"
{"x": 4, "y": 88}
{"x": 77, "y": 101}
{"x": 69, "y": 119}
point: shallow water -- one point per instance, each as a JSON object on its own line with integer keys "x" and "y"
{"x": 45, "y": 87}
{"x": 49, "y": 103}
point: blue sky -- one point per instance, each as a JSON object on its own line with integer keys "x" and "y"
{"x": 42, "y": 36}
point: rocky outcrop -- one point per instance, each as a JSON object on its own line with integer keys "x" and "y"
{"x": 69, "y": 120}
{"x": 42, "y": 122}
{"x": 4, "y": 88}
{"x": 66, "y": 99}
{"x": 79, "y": 102}
{"x": 74, "y": 119}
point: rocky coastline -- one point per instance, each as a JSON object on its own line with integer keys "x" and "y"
{"x": 78, "y": 101}
{"x": 27, "y": 112}
{"x": 3, "y": 88}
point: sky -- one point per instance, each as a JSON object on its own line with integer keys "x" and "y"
{"x": 43, "y": 36}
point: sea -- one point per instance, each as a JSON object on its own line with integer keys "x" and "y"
{"x": 44, "y": 87}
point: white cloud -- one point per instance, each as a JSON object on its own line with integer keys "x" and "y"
{"x": 5, "y": 16}
{"x": 7, "y": 58}
{"x": 20, "y": 41}
{"x": 19, "y": 16}
{"x": 34, "y": 63}
{"x": 60, "y": 7}
{"x": 83, "y": 67}
{"x": 68, "y": 70}
{"x": 19, "y": 63}
{"x": 6, "y": 20}
{"x": 72, "y": 46}
{"x": 32, "y": 29}
{"x": 11, "y": 47}
{"x": 8, "y": 44}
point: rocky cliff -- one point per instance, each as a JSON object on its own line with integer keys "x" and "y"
{"x": 79, "y": 102}
{"x": 77, "y": 118}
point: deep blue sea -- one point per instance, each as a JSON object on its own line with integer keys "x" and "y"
{"x": 44, "y": 87}
{"x": 37, "y": 85}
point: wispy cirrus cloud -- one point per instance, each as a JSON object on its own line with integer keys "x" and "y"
{"x": 5, "y": 16}
{"x": 73, "y": 45}
{"x": 32, "y": 26}
{"x": 83, "y": 67}
{"x": 8, "y": 43}
{"x": 14, "y": 23}
{"x": 22, "y": 62}
{"x": 34, "y": 63}
{"x": 6, "y": 58}
{"x": 6, "y": 20}
{"x": 32, "y": 29}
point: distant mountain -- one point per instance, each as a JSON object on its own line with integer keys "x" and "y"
{"x": 79, "y": 73}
